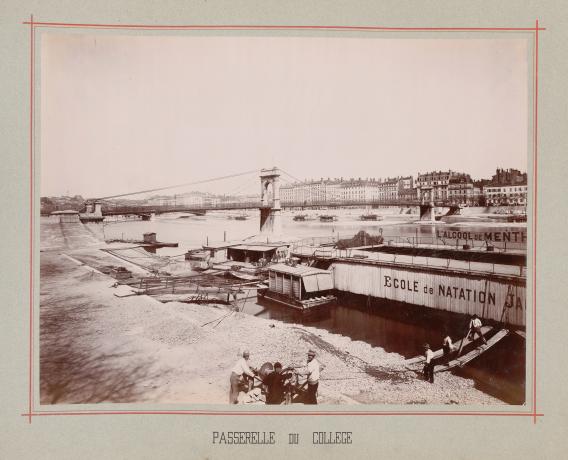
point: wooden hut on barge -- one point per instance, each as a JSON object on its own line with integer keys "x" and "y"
{"x": 300, "y": 287}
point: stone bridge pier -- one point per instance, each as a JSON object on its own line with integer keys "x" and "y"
{"x": 95, "y": 208}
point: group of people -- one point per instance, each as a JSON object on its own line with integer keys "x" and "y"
{"x": 242, "y": 377}
{"x": 448, "y": 348}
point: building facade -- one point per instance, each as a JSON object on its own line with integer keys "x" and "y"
{"x": 503, "y": 195}
{"x": 433, "y": 186}
{"x": 461, "y": 191}
{"x": 349, "y": 191}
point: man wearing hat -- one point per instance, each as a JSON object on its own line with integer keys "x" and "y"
{"x": 312, "y": 370}
{"x": 429, "y": 365}
{"x": 238, "y": 373}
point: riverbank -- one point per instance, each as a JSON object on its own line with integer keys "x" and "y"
{"x": 97, "y": 347}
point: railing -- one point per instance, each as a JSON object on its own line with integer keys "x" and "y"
{"x": 418, "y": 241}
{"x": 316, "y": 248}
{"x": 229, "y": 205}
{"x": 465, "y": 266}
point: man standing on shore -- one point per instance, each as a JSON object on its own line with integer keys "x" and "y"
{"x": 429, "y": 365}
{"x": 238, "y": 373}
{"x": 312, "y": 370}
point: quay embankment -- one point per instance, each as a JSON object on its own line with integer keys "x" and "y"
{"x": 97, "y": 347}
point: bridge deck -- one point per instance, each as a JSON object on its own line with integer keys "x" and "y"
{"x": 118, "y": 210}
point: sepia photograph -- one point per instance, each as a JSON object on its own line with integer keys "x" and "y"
{"x": 274, "y": 220}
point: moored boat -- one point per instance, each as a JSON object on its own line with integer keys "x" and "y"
{"x": 300, "y": 287}
{"x": 371, "y": 217}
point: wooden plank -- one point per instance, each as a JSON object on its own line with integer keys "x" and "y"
{"x": 462, "y": 360}
{"x": 439, "y": 353}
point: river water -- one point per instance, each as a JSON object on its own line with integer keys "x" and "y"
{"x": 396, "y": 328}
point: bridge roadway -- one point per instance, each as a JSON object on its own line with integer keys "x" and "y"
{"x": 152, "y": 209}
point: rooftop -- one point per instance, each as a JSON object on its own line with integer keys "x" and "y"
{"x": 298, "y": 270}
{"x": 257, "y": 247}
{"x": 68, "y": 211}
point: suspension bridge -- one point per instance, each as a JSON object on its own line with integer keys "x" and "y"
{"x": 268, "y": 201}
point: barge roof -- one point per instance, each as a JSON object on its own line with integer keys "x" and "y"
{"x": 298, "y": 270}
{"x": 518, "y": 258}
{"x": 257, "y": 247}
{"x": 220, "y": 245}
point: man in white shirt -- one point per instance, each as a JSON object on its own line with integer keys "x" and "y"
{"x": 429, "y": 365}
{"x": 475, "y": 328}
{"x": 312, "y": 370}
{"x": 448, "y": 347}
{"x": 238, "y": 373}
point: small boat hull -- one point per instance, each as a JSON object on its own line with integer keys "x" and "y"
{"x": 464, "y": 359}
{"x": 457, "y": 345}
{"x": 300, "y": 305}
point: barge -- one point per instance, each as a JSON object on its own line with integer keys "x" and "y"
{"x": 299, "y": 287}
{"x": 371, "y": 217}
{"x": 480, "y": 280}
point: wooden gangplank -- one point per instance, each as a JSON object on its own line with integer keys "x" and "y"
{"x": 462, "y": 360}
{"x": 458, "y": 345}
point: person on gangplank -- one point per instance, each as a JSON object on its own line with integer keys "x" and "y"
{"x": 429, "y": 363}
{"x": 475, "y": 329}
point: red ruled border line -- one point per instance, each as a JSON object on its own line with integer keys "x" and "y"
{"x": 295, "y": 413}
{"x": 535, "y": 181}
{"x": 33, "y": 24}
{"x": 281, "y": 27}
{"x": 31, "y": 273}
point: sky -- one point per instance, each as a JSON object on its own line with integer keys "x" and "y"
{"x": 122, "y": 113}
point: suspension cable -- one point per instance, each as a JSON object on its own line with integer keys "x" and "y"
{"x": 177, "y": 186}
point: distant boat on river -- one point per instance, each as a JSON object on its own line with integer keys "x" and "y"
{"x": 371, "y": 217}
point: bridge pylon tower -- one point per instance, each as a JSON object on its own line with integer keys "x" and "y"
{"x": 427, "y": 206}
{"x": 270, "y": 209}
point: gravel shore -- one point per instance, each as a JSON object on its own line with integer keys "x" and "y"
{"x": 97, "y": 347}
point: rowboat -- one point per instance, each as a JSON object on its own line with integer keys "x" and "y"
{"x": 462, "y": 360}
{"x": 460, "y": 344}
